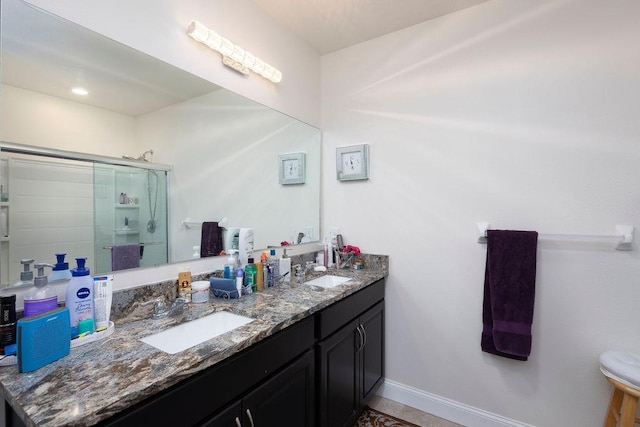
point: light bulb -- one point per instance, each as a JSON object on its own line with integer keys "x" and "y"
{"x": 80, "y": 91}
{"x": 227, "y": 47}
{"x": 267, "y": 71}
{"x": 238, "y": 54}
{"x": 277, "y": 76}
{"x": 248, "y": 60}
{"x": 258, "y": 66}
{"x": 214, "y": 41}
{"x": 198, "y": 31}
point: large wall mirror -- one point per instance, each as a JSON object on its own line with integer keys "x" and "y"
{"x": 184, "y": 147}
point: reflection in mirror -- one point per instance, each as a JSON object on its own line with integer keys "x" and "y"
{"x": 222, "y": 148}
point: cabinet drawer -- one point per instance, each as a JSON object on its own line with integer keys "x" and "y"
{"x": 336, "y": 315}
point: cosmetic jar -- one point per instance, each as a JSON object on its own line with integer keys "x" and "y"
{"x": 200, "y": 291}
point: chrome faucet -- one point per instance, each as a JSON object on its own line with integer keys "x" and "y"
{"x": 160, "y": 309}
{"x": 301, "y": 271}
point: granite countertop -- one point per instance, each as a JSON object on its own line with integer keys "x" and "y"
{"x": 102, "y": 378}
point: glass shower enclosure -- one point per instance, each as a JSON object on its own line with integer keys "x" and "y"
{"x": 130, "y": 207}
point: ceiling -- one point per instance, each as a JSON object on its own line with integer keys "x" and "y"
{"x": 330, "y": 25}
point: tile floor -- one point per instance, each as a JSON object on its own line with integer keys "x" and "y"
{"x": 408, "y": 413}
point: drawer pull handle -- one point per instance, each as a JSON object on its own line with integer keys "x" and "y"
{"x": 250, "y": 417}
{"x": 361, "y": 343}
{"x": 238, "y": 422}
{"x": 364, "y": 332}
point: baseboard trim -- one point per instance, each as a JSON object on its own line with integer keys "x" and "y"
{"x": 444, "y": 408}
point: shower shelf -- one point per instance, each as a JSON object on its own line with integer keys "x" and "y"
{"x": 119, "y": 206}
{"x": 122, "y": 232}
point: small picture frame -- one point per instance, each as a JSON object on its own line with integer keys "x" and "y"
{"x": 291, "y": 168}
{"x": 352, "y": 162}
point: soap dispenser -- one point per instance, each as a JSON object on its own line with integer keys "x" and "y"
{"x": 60, "y": 269}
{"x": 284, "y": 266}
{"x": 26, "y": 276}
{"x": 42, "y": 297}
{"x": 231, "y": 265}
{"x": 79, "y": 299}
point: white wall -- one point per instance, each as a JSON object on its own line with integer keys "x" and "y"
{"x": 158, "y": 27}
{"x": 219, "y": 143}
{"x": 521, "y": 114}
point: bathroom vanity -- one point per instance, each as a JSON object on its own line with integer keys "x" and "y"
{"x": 312, "y": 356}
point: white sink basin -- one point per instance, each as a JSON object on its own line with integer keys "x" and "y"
{"x": 327, "y": 281}
{"x": 197, "y": 331}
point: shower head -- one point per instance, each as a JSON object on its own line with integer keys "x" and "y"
{"x": 142, "y": 156}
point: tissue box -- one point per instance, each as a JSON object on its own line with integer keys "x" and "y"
{"x": 43, "y": 338}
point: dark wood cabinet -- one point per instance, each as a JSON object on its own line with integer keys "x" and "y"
{"x": 372, "y": 353}
{"x": 278, "y": 358}
{"x": 285, "y": 400}
{"x": 229, "y": 417}
{"x": 337, "y": 358}
{"x": 351, "y": 358}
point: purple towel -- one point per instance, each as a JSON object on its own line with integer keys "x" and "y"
{"x": 509, "y": 292}
{"x": 211, "y": 240}
{"x": 125, "y": 256}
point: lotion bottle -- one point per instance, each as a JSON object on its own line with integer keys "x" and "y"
{"x": 79, "y": 299}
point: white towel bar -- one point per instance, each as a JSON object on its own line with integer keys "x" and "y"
{"x": 139, "y": 244}
{"x": 188, "y": 224}
{"x": 623, "y": 237}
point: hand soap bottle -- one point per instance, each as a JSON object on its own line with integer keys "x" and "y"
{"x": 42, "y": 297}
{"x": 26, "y": 276}
{"x": 231, "y": 265}
{"x": 60, "y": 269}
{"x": 79, "y": 300}
{"x": 284, "y": 266}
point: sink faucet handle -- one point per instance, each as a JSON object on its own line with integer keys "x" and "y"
{"x": 159, "y": 304}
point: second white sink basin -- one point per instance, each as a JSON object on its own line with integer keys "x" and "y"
{"x": 327, "y": 281}
{"x": 186, "y": 335}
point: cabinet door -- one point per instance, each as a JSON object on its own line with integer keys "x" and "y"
{"x": 337, "y": 365}
{"x": 286, "y": 400}
{"x": 372, "y": 354}
{"x": 229, "y": 417}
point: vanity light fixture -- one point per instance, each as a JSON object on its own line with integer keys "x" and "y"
{"x": 233, "y": 56}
